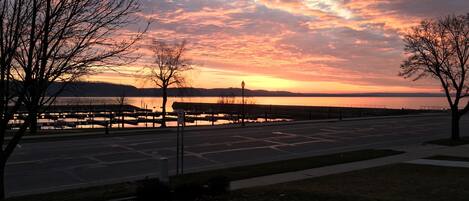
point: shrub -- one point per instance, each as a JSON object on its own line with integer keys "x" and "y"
{"x": 153, "y": 190}
{"x": 189, "y": 191}
{"x": 218, "y": 185}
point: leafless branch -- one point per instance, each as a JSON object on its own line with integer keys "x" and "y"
{"x": 169, "y": 64}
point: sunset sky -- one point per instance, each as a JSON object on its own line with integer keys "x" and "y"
{"x": 295, "y": 45}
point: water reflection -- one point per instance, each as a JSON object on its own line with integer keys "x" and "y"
{"x": 154, "y": 103}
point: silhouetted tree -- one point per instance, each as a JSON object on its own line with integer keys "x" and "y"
{"x": 12, "y": 15}
{"x": 66, "y": 40}
{"x": 121, "y": 101}
{"x": 167, "y": 69}
{"x": 440, "y": 49}
{"x": 47, "y": 41}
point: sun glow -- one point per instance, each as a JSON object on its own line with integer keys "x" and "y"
{"x": 289, "y": 45}
{"x": 260, "y": 82}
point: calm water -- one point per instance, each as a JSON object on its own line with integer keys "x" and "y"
{"x": 371, "y": 102}
{"x": 154, "y": 103}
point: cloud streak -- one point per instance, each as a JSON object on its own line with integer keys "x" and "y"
{"x": 297, "y": 45}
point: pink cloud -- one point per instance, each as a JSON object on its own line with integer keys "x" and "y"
{"x": 354, "y": 42}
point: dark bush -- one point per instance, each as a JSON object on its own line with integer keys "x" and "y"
{"x": 189, "y": 191}
{"x": 218, "y": 185}
{"x": 153, "y": 190}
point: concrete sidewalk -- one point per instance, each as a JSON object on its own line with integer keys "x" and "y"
{"x": 412, "y": 153}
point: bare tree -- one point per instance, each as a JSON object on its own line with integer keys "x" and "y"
{"x": 121, "y": 102}
{"x": 47, "y": 41}
{"x": 167, "y": 70}
{"x": 65, "y": 40}
{"x": 12, "y": 15}
{"x": 440, "y": 49}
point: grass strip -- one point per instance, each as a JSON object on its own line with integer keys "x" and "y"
{"x": 397, "y": 182}
{"x": 95, "y": 193}
{"x": 448, "y": 158}
{"x": 450, "y": 142}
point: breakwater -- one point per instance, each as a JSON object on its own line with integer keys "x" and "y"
{"x": 292, "y": 112}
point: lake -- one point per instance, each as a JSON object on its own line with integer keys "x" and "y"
{"x": 154, "y": 103}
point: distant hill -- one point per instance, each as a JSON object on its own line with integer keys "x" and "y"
{"x": 100, "y": 89}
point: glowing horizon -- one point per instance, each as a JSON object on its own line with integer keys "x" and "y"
{"x": 324, "y": 46}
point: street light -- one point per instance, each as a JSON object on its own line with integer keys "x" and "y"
{"x": 154, "y": 111}
{"x": 242, "y": 95}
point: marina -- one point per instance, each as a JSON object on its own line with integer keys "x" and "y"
{"x": 100, "y": 115}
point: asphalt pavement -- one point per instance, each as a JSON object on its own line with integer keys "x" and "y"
{"x": 54, "y": 165}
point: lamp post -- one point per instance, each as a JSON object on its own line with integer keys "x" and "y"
{"x": 242, "y": 104}
{"x": 153, "y": 113}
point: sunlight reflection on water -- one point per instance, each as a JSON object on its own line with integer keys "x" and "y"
{"x": 154, "y": 103}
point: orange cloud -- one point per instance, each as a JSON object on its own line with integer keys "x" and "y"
{"x": 299, "y": 45}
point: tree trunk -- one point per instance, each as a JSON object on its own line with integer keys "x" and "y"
{"x": 163, "y": 107}
{"x": 2, "y": 178}
{"x": 123, "y": 118}
{"x": 455, "y": 125}
{"x": 33, "y": 119}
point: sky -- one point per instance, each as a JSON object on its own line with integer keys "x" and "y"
{"x": 317, "y": 46}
